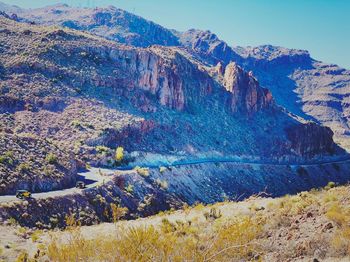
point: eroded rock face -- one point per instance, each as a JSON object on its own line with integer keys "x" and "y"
{"x": 311, "y": 139}
{"x": 247, "y": 95}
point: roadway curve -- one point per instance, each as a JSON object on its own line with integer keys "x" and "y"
{"x": 92, "y": 178}
{"x": 98, "y": 176}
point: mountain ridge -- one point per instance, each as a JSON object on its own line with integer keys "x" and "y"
{"x": 305, "y": 86}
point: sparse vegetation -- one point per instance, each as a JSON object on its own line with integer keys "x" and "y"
{"x": 118, "y": 212}
{"x": 227, "y": 231}
{"x": 162, "y": 169}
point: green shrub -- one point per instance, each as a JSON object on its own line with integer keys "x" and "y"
{"x": 101, "y": 149}
{"x": 129, "y": 189}
{"x": 142, "y": 171}
{"x": 162, "y": 184}
{"x": 51, "y": 158}
{"x": 23, "y": 167}
{"x": 119, "y": 154}
{"x": 7, "y": 158}
{"x": 76, "y": 123}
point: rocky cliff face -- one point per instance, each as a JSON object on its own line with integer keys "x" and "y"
{"x": 247, "y": 95}
{"x": 302, "y": 142}
{"x": 306, "y": 87}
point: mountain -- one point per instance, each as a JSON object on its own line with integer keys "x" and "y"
{"x": 110, "y": 22}
{"x": 82, "y": 92}
{"x": 304, "y": 86}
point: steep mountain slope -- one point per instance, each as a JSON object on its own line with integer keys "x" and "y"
{"x": 304, "y": 86}
{"x": 143, "y": 94}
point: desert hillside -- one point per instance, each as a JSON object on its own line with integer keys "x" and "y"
{"x": 122, "y": 140}
{"x": 309, "y": 226}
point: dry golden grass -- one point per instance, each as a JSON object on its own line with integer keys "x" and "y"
{"x": 171, "y": 242}
{"x": 206, "y": 233}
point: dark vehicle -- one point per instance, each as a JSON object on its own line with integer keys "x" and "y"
{"x": 22, "y": 194}
{"x": 80, "y": 184}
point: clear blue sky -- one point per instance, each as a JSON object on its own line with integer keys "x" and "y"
{"x": 320, "y": 26}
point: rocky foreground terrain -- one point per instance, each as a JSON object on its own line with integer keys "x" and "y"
{"x": 309, "y": 226}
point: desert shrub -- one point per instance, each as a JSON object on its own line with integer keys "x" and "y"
{"x": 178, "y": 241}
{"x": 3, "y": 160}
{"x": 162, "y": 184}
{"x": 129, "y": 189}
{"x": 330, "y": 185}
{"x": 23, "y": 167}
{"x": 119, "y": 154}
{"x": 76, "y": 123}
{"x": 337, "y": 214}
{"x": 142, "y": 171}
{"x": 51, "y": 158}
{"x": 213, "y": 214}
{"x": 102, "y": 149}
{"x": 118, "y": 212}
{"x": 23, "y": 257}
{"x": 36, "y": 235}
{"x": 162, "y": 169}
{"x": 7, "y": 158}
{"x": 341, "y": 216}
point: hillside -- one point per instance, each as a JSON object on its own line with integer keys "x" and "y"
{"x": 310, "y": 226}
{"x": 193, "y": 149}
{"x": 83, "y": 92}
{"x": 54, "y": 72}
{"x": 28, "y": 162}
{"x": 301, "y": 84}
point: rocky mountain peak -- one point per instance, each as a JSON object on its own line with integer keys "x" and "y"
{"x": 246, "y": 91}
{"x": 208, "y": 46}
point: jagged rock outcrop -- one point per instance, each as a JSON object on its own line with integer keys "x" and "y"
{"x": 303, "y": 142}
{"x": 247, "y": 95}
